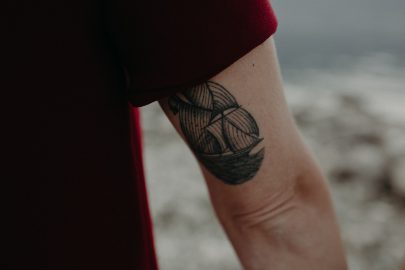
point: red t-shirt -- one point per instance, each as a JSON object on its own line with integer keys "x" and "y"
{"x": 72, "y": 67}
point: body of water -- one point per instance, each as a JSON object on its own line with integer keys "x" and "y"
{"x": 328, "y": 34}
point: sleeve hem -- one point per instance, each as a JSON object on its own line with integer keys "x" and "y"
{"x": 155, "y": 94}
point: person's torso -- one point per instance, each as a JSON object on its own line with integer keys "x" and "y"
{"x": 69, "y": 138}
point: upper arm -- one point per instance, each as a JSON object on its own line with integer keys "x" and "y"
{"x": 265, "y": 187}
{"x": 239, "y": 128}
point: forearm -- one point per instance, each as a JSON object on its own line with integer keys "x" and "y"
{"x": 283, "y": 218}
{"x": 263, "y": 183}
{"x": 288, "y": 228}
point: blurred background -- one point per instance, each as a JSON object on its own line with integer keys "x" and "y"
{"x": 343, "y": 64}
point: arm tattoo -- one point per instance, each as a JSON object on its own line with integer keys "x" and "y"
{"x": 220, "y": 132}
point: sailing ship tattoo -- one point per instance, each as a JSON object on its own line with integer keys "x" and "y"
{"x": 221, "y": 133}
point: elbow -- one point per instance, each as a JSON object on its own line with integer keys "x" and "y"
{"x": 266, "y": 211}
{"x": 300, "y": 195}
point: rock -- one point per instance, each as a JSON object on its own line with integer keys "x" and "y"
{"x": 397, "y": 177}
{"x": 364, "y": 162}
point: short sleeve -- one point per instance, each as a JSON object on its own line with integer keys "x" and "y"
{"x": 167, "y": 46}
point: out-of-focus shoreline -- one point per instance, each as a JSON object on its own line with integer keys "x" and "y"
{"x": 354, "y": 121}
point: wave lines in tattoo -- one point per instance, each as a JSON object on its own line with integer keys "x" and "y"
{"x": 221, "y": 133}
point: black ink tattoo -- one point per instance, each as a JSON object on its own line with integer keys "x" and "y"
{"x": 220, "y": 132}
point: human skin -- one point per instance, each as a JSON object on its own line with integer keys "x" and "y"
{"x": 282, "y": 216}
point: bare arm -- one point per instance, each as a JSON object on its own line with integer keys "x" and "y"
{"x": 266, "y": 189}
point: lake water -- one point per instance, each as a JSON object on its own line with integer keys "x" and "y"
{"x": 329, "y": 34}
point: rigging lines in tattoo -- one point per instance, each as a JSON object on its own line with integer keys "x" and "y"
{"x": 221, "y": 133}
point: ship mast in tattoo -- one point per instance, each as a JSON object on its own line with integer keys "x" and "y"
{"x": 220, "y": 132}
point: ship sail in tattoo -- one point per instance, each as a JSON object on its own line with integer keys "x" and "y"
{"x": 220, "y": 132}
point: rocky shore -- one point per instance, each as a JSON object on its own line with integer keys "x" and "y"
{"x": 353, "y": 121}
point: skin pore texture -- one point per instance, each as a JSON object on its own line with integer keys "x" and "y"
{"x": 266, "y": 189}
